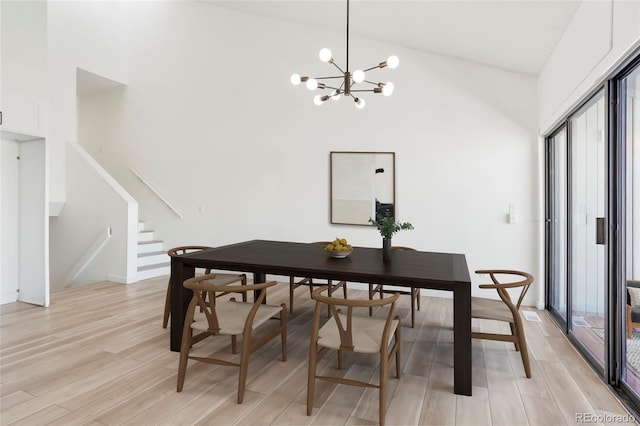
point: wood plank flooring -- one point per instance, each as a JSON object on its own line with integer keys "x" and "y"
{"x": 99, "y": 356}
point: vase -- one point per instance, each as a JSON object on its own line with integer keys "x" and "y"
{"x": 386, "y": 249}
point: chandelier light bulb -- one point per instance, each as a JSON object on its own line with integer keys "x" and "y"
{"x": 312, "y": 84}
{"x": 335, "y": 95}
{"x": 387, "y": 89}
{"x": 360, "y": 103}
{"x": 317, "y": 99}
{"x": 393, "y": 62}
{"x": 358, "y": 76}
{"x": 295, "y": 79}
{"x": 325, "y": 55}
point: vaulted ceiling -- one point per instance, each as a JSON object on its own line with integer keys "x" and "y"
{"x": 515, "y": 35}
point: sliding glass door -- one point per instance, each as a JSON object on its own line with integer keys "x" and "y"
{"x": 576, "y": 228}
{"x": 557, "y": 222}
{"x": 588, "y": 227}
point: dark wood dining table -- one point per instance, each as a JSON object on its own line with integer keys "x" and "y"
{"x": 429, "y": 270}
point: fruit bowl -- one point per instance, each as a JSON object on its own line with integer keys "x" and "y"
{"x": 339, "y": 248}
{"x": 338, "y": 254}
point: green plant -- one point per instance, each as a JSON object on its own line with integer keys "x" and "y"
{"x": 388, "y": 226}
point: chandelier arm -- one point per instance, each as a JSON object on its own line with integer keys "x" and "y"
{"x": 326, "y": 78}
{"x": 380, "y": 84}
{"x": 372, "y": 68}
{"x": 363, "y": 90}
{"x": 336, "y": 65}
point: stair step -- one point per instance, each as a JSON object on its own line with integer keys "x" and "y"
{"x": 150, "y": 246}
{"x": 152, "y": 258}
{"x": 153, "y": 271}
{"x": 145, "y": 236}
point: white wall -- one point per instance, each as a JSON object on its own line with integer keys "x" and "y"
{"x": 23, "y": 49}
{"x": 92, "y": 35}
{"x": 210, "y": 119}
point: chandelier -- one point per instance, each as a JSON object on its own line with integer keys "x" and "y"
{"x": 345, "y": 82}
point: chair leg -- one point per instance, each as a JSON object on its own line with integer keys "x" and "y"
{"x": 291, "y": 284}
{"x": 339, "y": 359}
{"x": 329, "y": 293}
{"x": 513, "y": 333}
{"x": 311, "y": 376}
{"x": 234, "y": 344}
{"x": 413, "y": 307}
{"x": 399, "y": 343}
{"x": 167, "y": 306}
{"x": 344, "y": 289}
{"x": 370, "y": 298}
{"x": 184, "y": 357}
{"x": 522, "y": 342}
{"x": 244, "y": 365}
{"x": 283, "y": 331}
{"x": 383, "y": 388}
{"x": 417, "y": 297}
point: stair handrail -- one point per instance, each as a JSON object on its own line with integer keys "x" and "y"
{"x": 164, "y": 200}
{"x": 94, "y": 249}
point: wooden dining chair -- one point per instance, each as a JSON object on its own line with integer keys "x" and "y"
{"x": 413, "y": 291}
{"x": 220, "y": 279}
{"x": 232, "y": 318}
{"x": 504, "y": 310}
{"x": 345, "y": 331}
{"x": 311, "y": 283}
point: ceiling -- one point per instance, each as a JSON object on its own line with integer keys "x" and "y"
{"x": 515, "y": 35}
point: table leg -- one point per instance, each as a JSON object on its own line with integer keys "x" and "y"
{"x": 462, "y": 339}
{"x": 180, "y": 299}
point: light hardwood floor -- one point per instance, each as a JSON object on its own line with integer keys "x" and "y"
{"x": 99, "y": 356}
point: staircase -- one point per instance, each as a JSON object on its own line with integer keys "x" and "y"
{"x": 153, "y": 260}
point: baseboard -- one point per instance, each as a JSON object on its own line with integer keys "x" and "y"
{"x": 120, "y": 279}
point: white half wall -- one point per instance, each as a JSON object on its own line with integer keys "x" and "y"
{"x": 95, "y": 202}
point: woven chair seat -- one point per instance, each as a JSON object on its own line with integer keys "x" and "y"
{"x": 366, "y": 333}
{"x": 233, "y": 315}
{"x": 490, "y": 309}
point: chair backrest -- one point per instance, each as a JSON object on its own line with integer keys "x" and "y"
{"x": 177, "y": 251}
{"x": 524, "y": 283}
{"x": 346, "y": 329}
{"x": 201, "y": 287}
{"x": 402, "y": 248}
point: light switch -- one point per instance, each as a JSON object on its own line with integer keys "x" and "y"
{"x": 512, "y": 213}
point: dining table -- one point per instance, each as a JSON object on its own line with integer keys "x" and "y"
{"x": 420, "y": 269}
